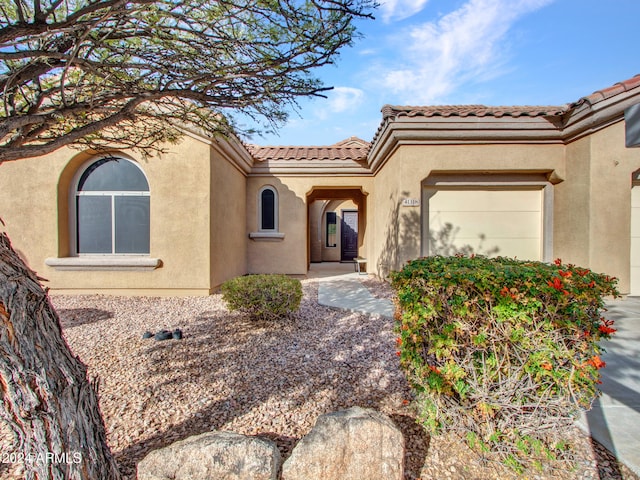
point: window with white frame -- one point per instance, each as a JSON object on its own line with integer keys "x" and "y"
{"x": 112, "y": 208}
{"x": 268, "y": 209}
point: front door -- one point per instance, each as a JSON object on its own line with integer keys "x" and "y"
{"x": 349, "y": 235}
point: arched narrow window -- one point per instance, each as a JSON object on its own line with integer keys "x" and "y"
{"x": 112, "y": 208}
{"x": 268, "y": 209}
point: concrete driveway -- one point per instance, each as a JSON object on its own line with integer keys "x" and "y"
{"x": 614, "y": 420}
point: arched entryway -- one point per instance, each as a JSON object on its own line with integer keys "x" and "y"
{"x": 336, "y": 226}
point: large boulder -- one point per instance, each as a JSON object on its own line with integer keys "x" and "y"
{"x": 353, "y": 444}
{"x": 213, "y": 455}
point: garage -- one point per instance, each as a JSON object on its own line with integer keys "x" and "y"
{"x": 634, "y": 287}
{"x": 489, "y": 221}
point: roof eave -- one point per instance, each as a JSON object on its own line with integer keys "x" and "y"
{"x": 594, "y": 113}
{"x": 229, "y": 147}
{"x": 454, "y": 130}
{"x": 310, "y": 167}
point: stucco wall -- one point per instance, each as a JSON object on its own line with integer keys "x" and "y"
{"x": 398, "y": 228}
{"x": 34, "y": 199}
{"x": 286, "y": 255}
{"x": 290, "y": 255}
{"x": 611, "y": 204}
{"x": 594, "y": 229}
{"x": 28, "y": 193}
{"x": 572, "y": 205}
{"x": 316, "y": 229}
{"x": 228, "y": 221}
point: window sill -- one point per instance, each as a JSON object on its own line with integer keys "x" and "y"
{"x": 120, "y": 263}
{"x": 266, "y": 236}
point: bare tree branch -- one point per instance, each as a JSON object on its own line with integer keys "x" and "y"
{"x": 69, "y": 70}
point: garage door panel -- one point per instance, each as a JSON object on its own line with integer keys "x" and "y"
{"x": 486, "y": 200}
{"x": 490, "y": 224}
{"x": 635, "y": 242}
{"x": 635, "y": 225}
{"x": 523, "y": 249}
{"x": 635, "y": 253}
{"x": 509, "y": 221}
{"x": 635, "y": 212}
{"x": 635, "y": 280}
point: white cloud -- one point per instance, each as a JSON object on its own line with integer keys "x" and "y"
{"x": 400, "y": 9}
{"x": 466, "y": 44}
{"x": 345, "y": 98}
{"x": 340, "y": 100}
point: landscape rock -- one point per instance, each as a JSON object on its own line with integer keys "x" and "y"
{"x": 213, "y": 455}
{"x": 353, "y": 444}
{"x": 163, "y": 335}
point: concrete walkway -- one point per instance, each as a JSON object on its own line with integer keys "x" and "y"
{"x": 341, "y": 287}
{"x": 614, "y": 420}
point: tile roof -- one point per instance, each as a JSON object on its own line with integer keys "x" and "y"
{"x": 609, "y": 92}
{"x": 352, "y": 148}
{"x": 395, "y": 111}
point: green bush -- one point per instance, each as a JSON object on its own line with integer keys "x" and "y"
{"x": 502, "y": 352}
{"x": 263, "y": 297}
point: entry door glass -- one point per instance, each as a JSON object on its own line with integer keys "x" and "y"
{"x": 349, "y": 235}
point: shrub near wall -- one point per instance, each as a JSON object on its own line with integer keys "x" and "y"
{"x": 501, "y": 351}
{"x": 263, "y": 297}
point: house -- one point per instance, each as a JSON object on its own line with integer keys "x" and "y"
{"x": 529, "y": 182}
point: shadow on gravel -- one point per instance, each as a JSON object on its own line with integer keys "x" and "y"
{"x": 326, "y": 370}
{"x": 74, "y": 317}
{"x": 416, "y": 441}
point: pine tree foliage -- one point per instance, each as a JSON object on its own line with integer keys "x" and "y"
{"x": 128, "y": 73}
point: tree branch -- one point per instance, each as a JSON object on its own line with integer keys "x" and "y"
{"x": 225, "y": 56}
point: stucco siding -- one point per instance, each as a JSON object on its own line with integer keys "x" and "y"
{"x": 28, "y": 192}
{"x": 399, "y": 229}
{"x": 572, "y": 206}
{"x": 593, "y": 204}
{"x": 289, "y": 254}
{"x": 36, "y": 211}
{"x": 390, "y": 232}
{"x": 611, "y": 167}
{"x": 228, "y": 221}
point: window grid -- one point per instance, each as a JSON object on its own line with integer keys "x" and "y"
{"x": 113, "y": 196}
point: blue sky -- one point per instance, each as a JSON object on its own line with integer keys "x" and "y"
{"x": 451, "y": 52}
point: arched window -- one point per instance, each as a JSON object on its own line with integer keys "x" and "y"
{"x": 268, "y": 209}
{"x": 112, "y": 208}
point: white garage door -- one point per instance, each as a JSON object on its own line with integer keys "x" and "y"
{"x": 635, "y": 241}
{"x": 493, "y": 222}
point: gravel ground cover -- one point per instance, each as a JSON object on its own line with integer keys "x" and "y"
{"x": 267, "y": 379}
